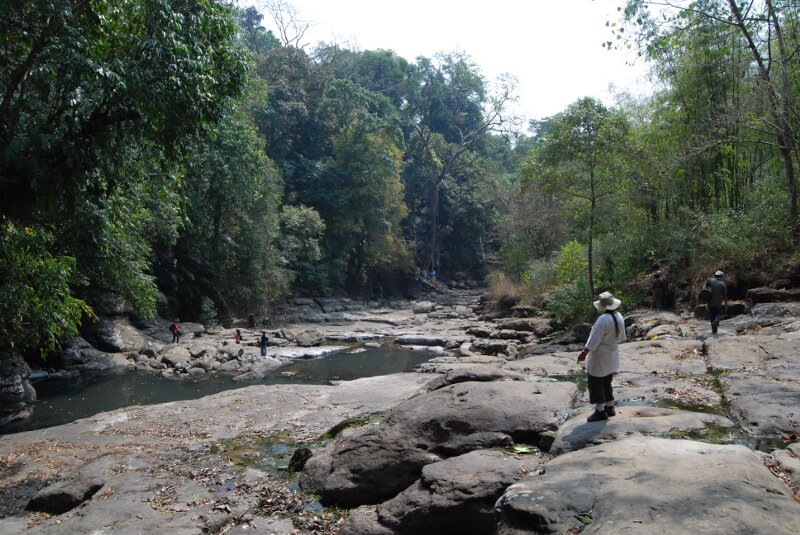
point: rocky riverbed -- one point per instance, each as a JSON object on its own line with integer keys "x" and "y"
{"x": 489, "y": 436}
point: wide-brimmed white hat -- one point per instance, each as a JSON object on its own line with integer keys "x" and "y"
{"x": 607, "y": 302}
{"x": 718, "y": 274}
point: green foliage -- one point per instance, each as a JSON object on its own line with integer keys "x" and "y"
{"x": 231, "y": 190}
{"x": 571, "y": 263}
{"x": 301, "y": 230}
{"x": 37, "y": 307}
{"x": 572, "y": 304}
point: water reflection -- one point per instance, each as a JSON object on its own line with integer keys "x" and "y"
{"x": 67, "y": 400}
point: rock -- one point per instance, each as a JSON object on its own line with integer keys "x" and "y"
{"x": 230, "y": 366}
{"x": 580, "y": 333}
{"x": 771, "y": 295}
{"x": 577, "y": 433}
{"x": 423, "y": 307}
{"x": 458, "y": 372}
{"x": 489, "y": 347}
{"x": 660, "y": 357}
{"x": 776, "y": 310}
{"x": 651, "y": 485}
{"x": 201, "y": 350}
{"x": 372, "y": 463}
{"x": 176, "y": 355}
{"x": 789, "y": 461}
{"x": 480, "y": 332}
{"x": 159, "y": 329}
{"x": 117, "y": 335}
{"x": 764, "y": 406}
{"x": 63, "y": 496}
{"x": 419, "y": 341}
{"x": 309, "y": 338}
{"x": 549, "y": 364}
{"x": 364, "y": 521}
{"x": 509, "y": 335}
{"x": 17, "y": 396}
{"x": 455, "y": 496}
{"x": 142, "y": 367}
{"x": 196, "y": 371}
{"x": 79, "y": 354}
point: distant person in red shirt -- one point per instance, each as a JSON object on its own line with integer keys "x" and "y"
{"x": 238, "y": 337}
{"x": 176, "y": 331}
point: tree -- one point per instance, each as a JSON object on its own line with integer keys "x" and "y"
{"x": 582, "y": 157}
{"x": 100, "y": 102}
{"x": 455, "y": 116}
{"x": 767, "y": 30}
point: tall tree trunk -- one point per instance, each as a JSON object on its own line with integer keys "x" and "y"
{"x": 778, "y": 104}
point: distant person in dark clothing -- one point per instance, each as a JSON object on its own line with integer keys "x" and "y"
{"x": 176, "y": 331}
{"x": 659, "y": 287}
{"x": 264, "y": 342}
{"x": 238, "y": 337}
{"x": 718, "y": 301}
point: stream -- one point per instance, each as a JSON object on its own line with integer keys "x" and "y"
{"x": 64, "y": 401}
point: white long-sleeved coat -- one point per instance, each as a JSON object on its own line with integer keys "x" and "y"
{"x": 603, "y": 345}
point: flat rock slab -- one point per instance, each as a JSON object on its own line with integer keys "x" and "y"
{"x": 765, "y": 407}
{"x": 373, "y": 463}
{"x": 771, "y": 355}
{"x": 678, "y": 392}
{"x": 304, "y": 352}
{"x": 651, "y": 485}
{"x": 663, "y": 357}
{"x": 577, "y": 433}
{"x": 562, "y": 363}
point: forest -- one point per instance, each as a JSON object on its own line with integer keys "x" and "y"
{"x": 179, "y": 155}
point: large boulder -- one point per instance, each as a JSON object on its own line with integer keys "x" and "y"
{"x": 17, "y": 396}
{"x": 79, "y": 354}
{"x": 372, "y": 463}
{"x": 651, "y": 485}
{"x": 117, "y": 335}
{"x": 453, "y": 497}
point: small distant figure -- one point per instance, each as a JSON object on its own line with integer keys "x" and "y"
{"x": 425, "y": 274}
{"x": 659, "y": 288}
{"x": 264, "y": 342}
{"x": 433, "y": 275}
{"x": 603, "y": 350}
{"x": 176, "y": 331}
{"x": 718, "y": 301}
{"x": 238, "y": 337}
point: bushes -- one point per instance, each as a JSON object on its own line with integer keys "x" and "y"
{"x": 37, "y": 307}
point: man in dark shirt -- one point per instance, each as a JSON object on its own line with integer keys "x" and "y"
{"x": 718, "y": 301}
{"x": 659, "y": 287}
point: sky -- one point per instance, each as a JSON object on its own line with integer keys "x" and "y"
{"x": 552, "y": 47}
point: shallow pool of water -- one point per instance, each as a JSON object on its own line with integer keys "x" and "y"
{"x": 61, "y": 402}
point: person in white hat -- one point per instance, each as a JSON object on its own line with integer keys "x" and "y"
{"x": 602, "y": 347}
{"x": 718, "y": 301}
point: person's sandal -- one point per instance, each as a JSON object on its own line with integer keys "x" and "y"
{"x": 597, "y": 416}
{"x": 610, "y": 411}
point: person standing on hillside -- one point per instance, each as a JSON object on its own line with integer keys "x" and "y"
{"x": 602, "y": 348}
{"x": 718, "y": 301}
{"x": 659, "y": 288}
